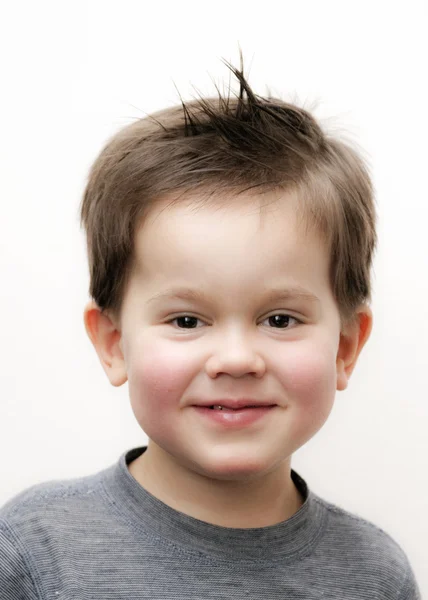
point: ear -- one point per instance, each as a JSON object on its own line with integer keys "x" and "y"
{"x": 352, "y": 340}
{"x": 106, "y": 338}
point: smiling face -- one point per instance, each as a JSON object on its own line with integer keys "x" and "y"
{"x": 230, "y": 303}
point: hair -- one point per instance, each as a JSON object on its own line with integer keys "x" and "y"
{"x": 221, "y": 147}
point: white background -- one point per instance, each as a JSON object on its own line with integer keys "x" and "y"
{"x": 73, "y": 74}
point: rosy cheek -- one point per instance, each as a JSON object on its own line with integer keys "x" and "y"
{"x": 309, "y": 376}
{"x": 158, "y": 377}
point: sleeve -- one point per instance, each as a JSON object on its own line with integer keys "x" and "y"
{"x": 410, "y": 590}
{"x": 16, "y": 582}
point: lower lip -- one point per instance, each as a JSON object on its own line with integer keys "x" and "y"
{"x": 234, "y": 418}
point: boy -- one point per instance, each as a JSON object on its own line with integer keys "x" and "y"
{"x": 230, "y": 243}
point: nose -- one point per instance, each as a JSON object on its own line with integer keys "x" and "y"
{"x": 235, "y": 356}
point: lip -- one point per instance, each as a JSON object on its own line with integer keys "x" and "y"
{"x": 236, "y": 403}
{"x": 234, "y": 418}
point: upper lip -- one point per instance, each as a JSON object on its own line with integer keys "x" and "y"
{"x": 235, "y": 403}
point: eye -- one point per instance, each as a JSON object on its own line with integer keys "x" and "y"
{"x": 277, "y": 321}
{"x": 186, "y": 322}
{"x": 281, "y": 321}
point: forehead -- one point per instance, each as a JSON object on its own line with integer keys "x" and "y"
{"x": 211, "y": 214}
{"x": 240, "y": 233}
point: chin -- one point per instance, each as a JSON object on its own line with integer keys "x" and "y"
{"x": 234, "y": 467}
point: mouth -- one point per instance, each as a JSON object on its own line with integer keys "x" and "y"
{"x": 227, "y": 408}
{"x": 235, "y": 404}
{"x": 224, "y": 416}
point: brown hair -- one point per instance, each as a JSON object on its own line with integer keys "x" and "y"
{"x": 213, "y": 146}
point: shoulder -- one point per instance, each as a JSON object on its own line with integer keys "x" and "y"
{"x": 46, "y": 501}
{"x": 36, "y": 523}
{"x": 46, "y": 509}
{"x": 29, "y": 523}
{"x": 366, "y": 548}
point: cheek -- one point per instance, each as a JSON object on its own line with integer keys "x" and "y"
{"x": 309, "y": 377}
{"x": 158, "y": 376}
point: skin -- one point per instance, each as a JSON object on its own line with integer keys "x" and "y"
{"x": 234, "y": 254}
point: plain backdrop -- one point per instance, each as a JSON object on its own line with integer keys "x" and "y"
{"x": 72, "y": 74}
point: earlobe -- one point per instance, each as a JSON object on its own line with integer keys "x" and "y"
{"x": 342, "y": 379}
{"x": 352, "y": 341}
{"x": 106, "y": 339}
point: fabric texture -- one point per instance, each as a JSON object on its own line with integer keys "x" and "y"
{"x": 105, "y": 537}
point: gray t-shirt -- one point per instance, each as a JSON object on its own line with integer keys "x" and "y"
{"x": 105, "y": 537}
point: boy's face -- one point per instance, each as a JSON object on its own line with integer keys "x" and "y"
{"x": 231, "y": 346}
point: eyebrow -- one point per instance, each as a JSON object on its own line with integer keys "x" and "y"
{"x": 184, "y": 293}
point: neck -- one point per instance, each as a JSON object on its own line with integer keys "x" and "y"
{"x": 260, "y": 502}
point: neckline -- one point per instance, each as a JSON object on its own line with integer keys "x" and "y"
{"x": 289, "y": 539}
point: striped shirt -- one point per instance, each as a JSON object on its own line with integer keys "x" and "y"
{"x": 105, "y": 537}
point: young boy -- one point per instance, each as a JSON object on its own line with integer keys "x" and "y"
{"x": 230, "y": 243}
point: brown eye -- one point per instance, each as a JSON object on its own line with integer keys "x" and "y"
{"x": 186, "y": 322}
{"x": 281, "y": 321}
